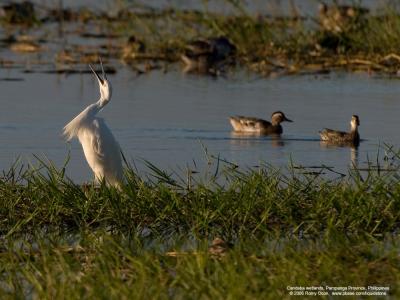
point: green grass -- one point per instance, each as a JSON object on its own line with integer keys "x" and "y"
{"x": 62, "y": 240}
{"x": 255, "y": 202}
{"x": 105, "y": 266}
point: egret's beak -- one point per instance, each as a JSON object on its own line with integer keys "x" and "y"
{"x": 101, "y": 80}
{"x": 102, "y": 69}
{"x": 287, "y": 120}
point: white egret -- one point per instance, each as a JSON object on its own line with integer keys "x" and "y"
{"x": 100, "y": 147}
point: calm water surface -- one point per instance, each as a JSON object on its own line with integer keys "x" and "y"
{"x": 169, "y": 118}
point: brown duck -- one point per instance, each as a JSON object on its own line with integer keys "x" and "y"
{"x": 260, "y": 126}
{"x": 341, "y": 137}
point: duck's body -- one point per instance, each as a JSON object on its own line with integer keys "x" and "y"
{"x": 201, "y": 62}
{"x": 341, "y": 137}
{"x": 260, "y": 126}
{"x": 250, "y": 124}
{"x": 134, "y": 48}
{"x": 202, "y": 55}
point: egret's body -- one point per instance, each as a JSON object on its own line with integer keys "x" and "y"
{"x": 99, "y": 145}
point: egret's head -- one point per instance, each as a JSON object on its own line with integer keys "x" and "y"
{"x": 104, "y": 84}
{"x": 279, "y": 117}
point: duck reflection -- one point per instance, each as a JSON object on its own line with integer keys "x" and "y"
{"x": 241, "y": 138}
{"x": 352, "y": 146}
{"x": 354, "y": 156}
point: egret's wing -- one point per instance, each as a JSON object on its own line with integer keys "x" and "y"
{"x": 81, "y": 121}
{"x": 104, "y": 143}
{"x": 97, "y": 138}
{"x": 107, "y": 151}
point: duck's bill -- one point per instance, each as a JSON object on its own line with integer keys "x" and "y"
{"x": 97, "y": 75}
{"x": 288, "y": 120}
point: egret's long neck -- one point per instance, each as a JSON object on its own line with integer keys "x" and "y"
{"x": 91, "y": 111}
{"x": 105, "y": 96}
{"x": 85, "y": 118}
{"x": 102, "y": 101}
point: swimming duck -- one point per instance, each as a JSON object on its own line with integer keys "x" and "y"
{"x": 202, "y": 55}
{"x": 249, "y": 124}
{"x": 340, "y": 137}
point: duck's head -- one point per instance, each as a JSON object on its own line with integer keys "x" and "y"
{"x": 355, "y": 122}
{"x": 104, "y": 85}
{"x": 279, "y": 117}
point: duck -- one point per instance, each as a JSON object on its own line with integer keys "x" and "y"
{"x": 134, "y": 48}
{"x": 202, "y": 55}
{"x": 260, "y": 126}
{"x": 341, "y": 137}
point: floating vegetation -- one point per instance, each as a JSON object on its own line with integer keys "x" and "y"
{"x": 25, "y": 46}
{"x": 18, "y": 13}
{"x": 338, "y": 38}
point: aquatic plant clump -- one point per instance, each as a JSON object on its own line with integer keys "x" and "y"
{"x": 335, "y": 37}
{"x": 229, "y": 232}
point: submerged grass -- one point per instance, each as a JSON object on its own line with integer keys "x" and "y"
{"x": 110, "y": 267}
{"x": 151, "y": 239}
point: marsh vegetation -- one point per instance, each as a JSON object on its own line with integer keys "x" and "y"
{"x": 154, "y": 238}
{"x": 227, "y": 232}
{"x": 147, "y": 38}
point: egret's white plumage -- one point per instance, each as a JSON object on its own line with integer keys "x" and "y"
{"x": 99, "y": 145}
